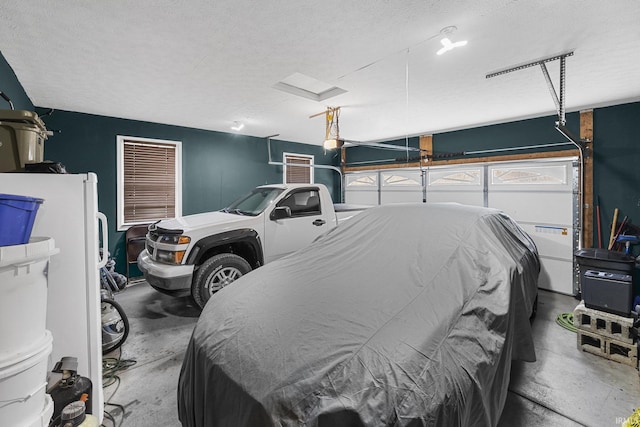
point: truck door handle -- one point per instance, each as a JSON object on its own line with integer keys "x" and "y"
{"x": 319, "y": 222}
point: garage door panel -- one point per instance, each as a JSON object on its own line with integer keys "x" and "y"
{"x": 552, "y": 241}
{"x": 361, "y": 198}
{"x": 401, "y": 186}
{"x": 465, "y": 197}
{"x": 547, "y": 207}
{"x": 361, "y": 188}
{"x": 460, "y": 184}
{"x": 400, "y": 197}
{"x": 555, "y": 276}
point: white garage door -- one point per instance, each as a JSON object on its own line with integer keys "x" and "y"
{"x": 540, "y": 195}
{"x": 542, "y": 198}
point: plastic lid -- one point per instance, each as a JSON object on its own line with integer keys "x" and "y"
{"x": 22, "y": 116}
{"x": 74, "y": 411}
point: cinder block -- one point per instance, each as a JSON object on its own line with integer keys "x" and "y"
{"x": 608, "y": 348}
{"x": 603, "y": 323}
{"x": 591, "y": 343}
{"x": 622, "y": 352}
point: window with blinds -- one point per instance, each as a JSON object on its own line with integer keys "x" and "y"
{"x": 148, "y": 180}
{"x": 297, "y": 174}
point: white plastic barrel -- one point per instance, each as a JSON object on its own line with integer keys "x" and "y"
{"x": 44, "y": 418}
{"x": 23, "y": 383}
{"x": 26, "y": 343}
{"x": 23, "y": 294}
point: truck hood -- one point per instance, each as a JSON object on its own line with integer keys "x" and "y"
{"x": 205, "y": 220}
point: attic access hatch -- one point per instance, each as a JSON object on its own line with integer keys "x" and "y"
{"x": 308, "y": 87}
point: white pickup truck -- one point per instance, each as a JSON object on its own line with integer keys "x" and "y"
{"x": 200, "y": 254}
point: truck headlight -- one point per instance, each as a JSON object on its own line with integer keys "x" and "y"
{"x": 171, "y": 257}
{"x": 171, "y": 248}
{"x": 174, "y": 239}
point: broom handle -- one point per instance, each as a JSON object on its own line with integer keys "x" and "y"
{"x": 612, "y": 239}
{"x": 599, "y": 232}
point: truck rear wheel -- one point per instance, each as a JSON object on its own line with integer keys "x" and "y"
{"x": 216, "y": 273}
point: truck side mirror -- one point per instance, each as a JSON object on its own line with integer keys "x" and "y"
{"x": 280, "y": 212}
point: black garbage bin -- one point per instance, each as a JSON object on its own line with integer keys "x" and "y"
{"x": 606, "y": 280}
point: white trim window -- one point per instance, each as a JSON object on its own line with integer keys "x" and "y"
{"x": 297, "y": 174}
{"x": 149, "y": 180}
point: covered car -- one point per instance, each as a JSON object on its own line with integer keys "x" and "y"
{"x": 405, "y": 315}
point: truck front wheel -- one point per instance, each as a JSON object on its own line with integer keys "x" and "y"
{"x": 216, "y": 273}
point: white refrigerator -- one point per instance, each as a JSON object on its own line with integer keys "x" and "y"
{"x": 69, "y": 214}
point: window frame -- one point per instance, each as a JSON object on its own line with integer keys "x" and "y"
{"x": 311, "y": 158}
{"x": 121, "y": 140}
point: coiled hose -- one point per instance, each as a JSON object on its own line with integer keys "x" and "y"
{"x": 566, "y": 321}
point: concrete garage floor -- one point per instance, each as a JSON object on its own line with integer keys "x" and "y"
{"x": 564, "y": 387}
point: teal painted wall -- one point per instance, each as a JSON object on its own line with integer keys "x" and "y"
{"x": 216, "y": 167}
{"x": 365, "y": 156}
{"x": 10, "y": 86}
{"x": 616, "y": 164}
{"x": 521, "y": 133}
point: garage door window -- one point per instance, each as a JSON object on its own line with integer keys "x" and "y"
{"x": 456, "y": 177}
{"x": 149, "y": 180}
{"x": 549, "y": 175}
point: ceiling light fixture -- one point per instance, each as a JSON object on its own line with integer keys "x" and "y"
{"x": 237, "y": 126}
{"x": 447, "y": 45}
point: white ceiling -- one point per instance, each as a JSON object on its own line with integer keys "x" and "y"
{"x": 208, "y": 63}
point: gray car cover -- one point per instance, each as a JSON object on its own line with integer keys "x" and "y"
{"x": 405, "y": 315}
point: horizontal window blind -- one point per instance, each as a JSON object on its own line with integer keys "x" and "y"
{"x": 297, "y": 174}
{"x": 149, "y": 181}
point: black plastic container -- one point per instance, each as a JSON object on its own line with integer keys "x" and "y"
{"x": 606, "y": 280}
{"x": 604, "y": 260}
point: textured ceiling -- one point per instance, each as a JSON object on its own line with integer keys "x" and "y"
{"x": 207, "y": 64}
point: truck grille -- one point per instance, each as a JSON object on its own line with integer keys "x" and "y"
{"x": 151, "y": 237}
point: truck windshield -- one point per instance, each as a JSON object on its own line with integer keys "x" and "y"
{"x": 253, "y": 203}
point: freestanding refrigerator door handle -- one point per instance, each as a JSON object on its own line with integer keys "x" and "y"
{"x": 319, "y": 222}
{"x": 102, "y": 219}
